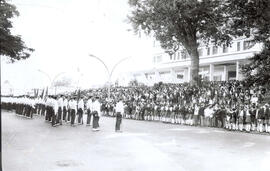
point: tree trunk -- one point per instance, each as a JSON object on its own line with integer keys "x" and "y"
{"x": 194, "y": 70}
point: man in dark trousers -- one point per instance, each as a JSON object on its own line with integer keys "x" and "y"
{"x": 119, "y": 109}
{"x": 96, "y": 114}
{"x": 89, "y": 106}
{"x": 73, "y": 110}
{"x": 80, "y": 111}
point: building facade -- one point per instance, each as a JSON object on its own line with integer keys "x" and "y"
{"x": 217, "y": 63}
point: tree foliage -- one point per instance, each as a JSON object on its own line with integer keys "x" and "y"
{"x": 258, "y": 70}
{"x": 251, "y": 18}
{"x": 184, "y": 23}
{"x": 11, "y": 46}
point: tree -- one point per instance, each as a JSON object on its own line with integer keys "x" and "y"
{"x": 185, "y": 23}
{"x": 11, "y": 46}
{"x": 251, "y": 18}
{"x": 258, "y": 70}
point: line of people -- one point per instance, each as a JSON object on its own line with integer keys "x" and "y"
{"x": 23, "y": 105}
{"x": 245, "y": 118}
{"x": 56, "y": 109}
{"x": 231, "y": 105}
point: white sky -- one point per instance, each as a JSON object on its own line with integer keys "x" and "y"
{"x": 64, "y": 32}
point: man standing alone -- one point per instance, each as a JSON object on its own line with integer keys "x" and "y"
{"x": 119, "y": 113}
{"x": 96, "y": 114}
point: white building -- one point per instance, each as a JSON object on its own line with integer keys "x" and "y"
{"x": 216, "y": 63}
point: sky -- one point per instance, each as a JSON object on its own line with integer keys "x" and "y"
{"x": 64, "y": 33}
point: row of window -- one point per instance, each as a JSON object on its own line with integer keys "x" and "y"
{"x": 225, "y": 49}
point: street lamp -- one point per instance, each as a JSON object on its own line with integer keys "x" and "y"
{"x": 54, "y": 79}
{"x": 108, "y": 71}
{"x": 51, "y": 80}
{"x": 47, "y": 75}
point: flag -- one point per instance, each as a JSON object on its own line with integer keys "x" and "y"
{"x": 42, "y": 93}
{"x": 45, "y": 94}
{"x": 79, "y": 95}
{"x": 37, "y": 91}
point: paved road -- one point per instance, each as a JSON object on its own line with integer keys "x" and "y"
{"x": 144, "y": 146}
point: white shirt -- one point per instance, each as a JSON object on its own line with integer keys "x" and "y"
{"x": 196, "y": 111}
{"x": 54, "y": 105}
{"x": 208, "y": 112}
{"x": 65, "y": 103}
{"x": 119, "y": 107}
{"x": 81, "y": 104}
{"x": 73, "y": 105}
{"x": 96, "y": 107}
{"x": 89, "y": 104}
{"x": 60, "y": 102}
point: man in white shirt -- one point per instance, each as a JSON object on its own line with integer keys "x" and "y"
{"x": 65, "y": 109}
{"x": 48, "y": 108}
{"x": 119, "y": 109}
{"x": 60, "y": 103}
{"x": 80, "y": 111}
{"x": 73, "y": 109}
{"x": 54, "y": 105}
{"x": 69, "y": 109}
{"x": 89, "y": 106}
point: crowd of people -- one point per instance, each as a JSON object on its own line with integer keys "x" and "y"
{"x": 232, "y": 105}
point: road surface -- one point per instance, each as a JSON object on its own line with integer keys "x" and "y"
{"x": 34, "y": 145}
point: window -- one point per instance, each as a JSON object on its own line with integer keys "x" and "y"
{"x": 157, "y": 59}
{"x": 248, "y": 45}
{"x": 217, "y": 78}
{"x": 178, "y": 55}
{"x": 184, "y": 54}
{"x": 174, "y": 56}
{"x": 215, "y": 50}
{"x": 200, "y": 52}
{"x": 225, "y": 49}
{"x": 180, "y": 76}
{"x": 171, "y": 57}
{"x": 238, "y": 46}
{"x": 208, "y": 51}
{"x": 232, "y": 74}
